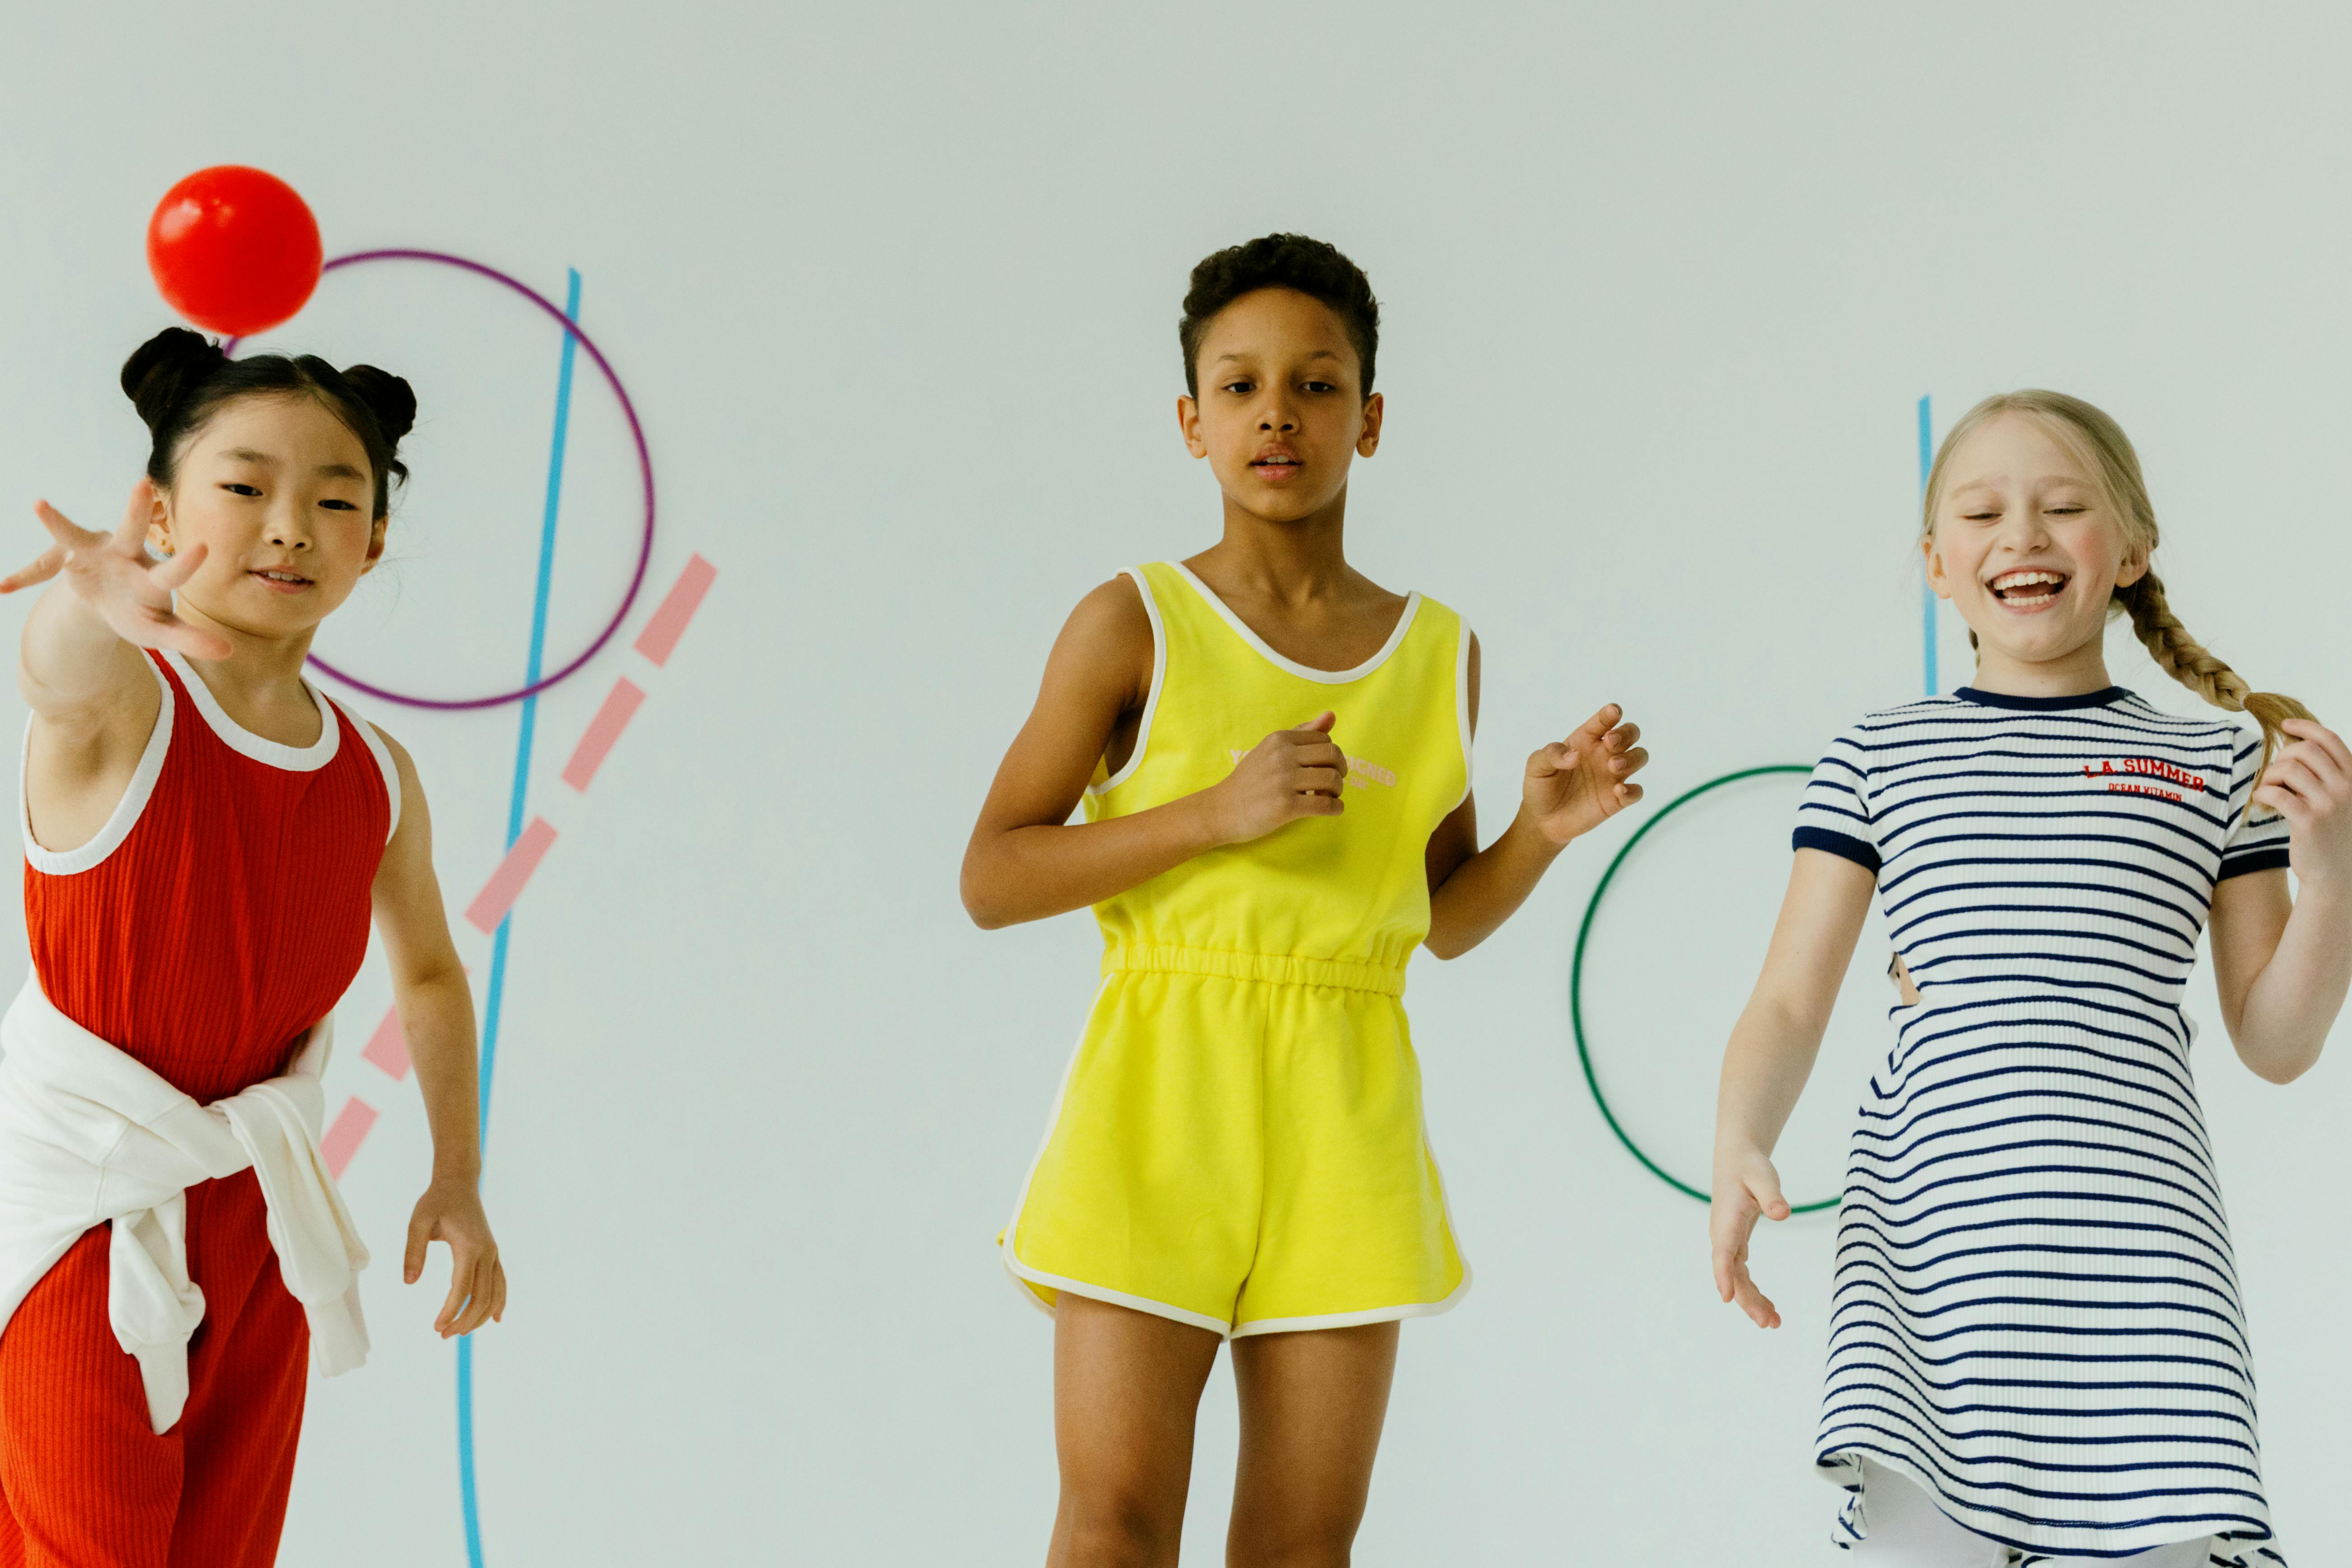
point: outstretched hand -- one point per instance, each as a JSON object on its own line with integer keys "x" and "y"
{"x": 1574, "y": 785}
{"x": 451, "y": 1211}
{"x": 128, "y": 589}
{"x": 1746, "y": 1189}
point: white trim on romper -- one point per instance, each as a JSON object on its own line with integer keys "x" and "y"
{"x": 127, "y": 811}
{"x": 237, "y": 738}
{"x": 1305, "y": 672}
{"x": 1461, "y": 699}
{"x": 1158, "y": 681}
{"x": 373, "y": 739}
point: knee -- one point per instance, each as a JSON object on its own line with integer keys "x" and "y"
{"x": 1115, "y": 1527}
{"x": 1309, "y": 1538}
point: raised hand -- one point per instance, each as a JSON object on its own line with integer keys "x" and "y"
{"x": 1747, "y": 1187}
{"x": 127, "y": 588}
{"x": 1289, "y": 774}
{"x": 1574, "y": 785}
{"x": 2309, "y": 782}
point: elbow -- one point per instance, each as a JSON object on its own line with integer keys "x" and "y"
{"x": 986, "y": 912}
{"x": 2286, "y": 1072}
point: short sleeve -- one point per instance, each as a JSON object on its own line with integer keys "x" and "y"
{"x": 2258, "y": 835}
{"x": 1834, "y": 812}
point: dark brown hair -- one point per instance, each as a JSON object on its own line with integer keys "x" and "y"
{"x": 1280, "y": 261}
{"x": 178, "y": 379}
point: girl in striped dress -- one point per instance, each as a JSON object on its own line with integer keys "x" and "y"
{"x": 207, "y": 839}
{"x": 2038, "y": 1348}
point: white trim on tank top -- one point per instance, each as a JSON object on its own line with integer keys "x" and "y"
{"x": 127, "y": 811}
{"x": 373, "y": 738}
{"x": 237, "y": 738}
{"x": 1462, "y": 699}
{"x": 1159, "y": 679}
{"x": 1305, "y": 672}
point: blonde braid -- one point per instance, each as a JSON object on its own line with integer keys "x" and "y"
{"x": 2190, "y": 662}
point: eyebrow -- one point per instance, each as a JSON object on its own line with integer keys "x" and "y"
{"x": 1318, "y": 354}
{"x": 324, "y": 471}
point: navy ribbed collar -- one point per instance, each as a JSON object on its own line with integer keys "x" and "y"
{"x": 2042, "y": 704}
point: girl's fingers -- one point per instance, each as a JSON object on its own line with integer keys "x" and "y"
{"x": 2320, "y": 735}
{"x": 498, "y": 1299}
{"x": 461, "y": 1286}
{"x": 412, "y": 1259}
{"x": 44, "y": 566}
{"x": 2293, "y": 772}
{"x": 173, "y": 570}
{"x": 64, "y": 530}
{"x": 130, "y": 537}
{"x": 2283, "y": 801}
{"x": 1764, "y": 1187}
{"x": 1632, "y": 762}
{"x": 2323, "y": 765}
{"x": 477, "y": 1293}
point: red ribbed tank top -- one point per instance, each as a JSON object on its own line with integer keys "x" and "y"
{"x": 223, "y": 908}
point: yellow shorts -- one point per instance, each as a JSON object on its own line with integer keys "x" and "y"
{"x": 1244, "y": 1154}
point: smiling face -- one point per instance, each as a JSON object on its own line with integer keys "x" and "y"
{"x": 279, "y": 491}
{"x": 2029, "y": 547}
{"x": 1281, "y": 412}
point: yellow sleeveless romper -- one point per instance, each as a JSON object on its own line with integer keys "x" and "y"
{"x": 1238, "y": 1143}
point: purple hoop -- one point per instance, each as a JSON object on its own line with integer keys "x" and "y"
{"x": 645, "y": 466}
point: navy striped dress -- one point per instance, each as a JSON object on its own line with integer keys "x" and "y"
{"x": 2036, "y": 1315}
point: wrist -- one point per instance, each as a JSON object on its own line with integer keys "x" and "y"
{"x": 1204, "y": 824}
{"x": 466, "y": 1172}
{"x": 1535, "y": 837}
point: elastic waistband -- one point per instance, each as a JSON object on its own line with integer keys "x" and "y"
{"x": 1271, "y": 968}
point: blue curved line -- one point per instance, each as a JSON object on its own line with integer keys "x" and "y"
{"x": 1926, "y": 590}
{"x": 493, "y": 1003}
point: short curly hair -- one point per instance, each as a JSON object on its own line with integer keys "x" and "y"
{"x": 1280, "y": 261}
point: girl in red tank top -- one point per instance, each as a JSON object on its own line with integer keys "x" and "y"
{"x": 207, "y": 837}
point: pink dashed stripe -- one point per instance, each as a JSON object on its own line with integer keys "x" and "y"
{"x": 677, "y": 608}
{"x": 387, "y": 1048}
{"x": 620, "y": 707}
{"x": 506, "y": 884}
{"x": 342, "y": 1140}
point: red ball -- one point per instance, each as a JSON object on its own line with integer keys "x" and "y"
{"x": 234, "y": 249}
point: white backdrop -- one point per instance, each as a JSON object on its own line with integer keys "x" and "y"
{"x": 895, "y": 288}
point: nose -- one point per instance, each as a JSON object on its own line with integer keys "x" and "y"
{"x": 2024, "y": 530}
{"x": 1276, "y": 417}
{"x": 288, "y": 525}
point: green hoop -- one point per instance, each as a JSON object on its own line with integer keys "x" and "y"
{"x": 1576, "y": 980}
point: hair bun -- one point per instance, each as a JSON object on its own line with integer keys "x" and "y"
{"x": 389, "y": 397}
{"x": 162, "y": 371}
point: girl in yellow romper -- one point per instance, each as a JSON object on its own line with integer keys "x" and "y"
{"x": 1237, "y": 1152}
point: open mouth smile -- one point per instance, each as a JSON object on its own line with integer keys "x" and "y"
{"x": 1277, "y": 464}
{"x": 2026, "y": 592}
{"x": 280, "y": 582}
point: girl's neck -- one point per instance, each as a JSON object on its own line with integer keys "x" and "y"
{"x": 2076, "y": 673}
{"x": 1295, "y": 561}
{"x": 261, "y": 672}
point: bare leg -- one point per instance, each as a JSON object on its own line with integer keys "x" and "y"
{"x": 1312, "y": 1405}
{"x": 1127, "y": 1391}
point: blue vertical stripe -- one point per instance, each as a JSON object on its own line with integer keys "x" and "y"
{"x": 495, "y": 1003}
{"x": 1926, "y": 593}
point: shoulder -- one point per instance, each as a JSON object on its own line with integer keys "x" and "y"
{"x": 1107, "y": 640}
{"x": 1887, "y": 729}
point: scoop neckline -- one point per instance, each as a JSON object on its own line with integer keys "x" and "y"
{"x": 261, "y": 748}
{"x": 1304, "y": 671}
{"x": 2042, "y": 704}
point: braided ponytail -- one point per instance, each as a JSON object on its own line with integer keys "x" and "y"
{"x": 2106, "y": 452}
{"x": 2196, "y": 667}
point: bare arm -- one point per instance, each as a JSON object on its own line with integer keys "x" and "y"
{"x": 1571, "y": 786}
{"x": 437, "y": 1013}
{"x": 1771, "y": 1055}
{"x": 94, "y": 701}
{"x": 2282, "y": 964}
{"x": 1027, "y": 861}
